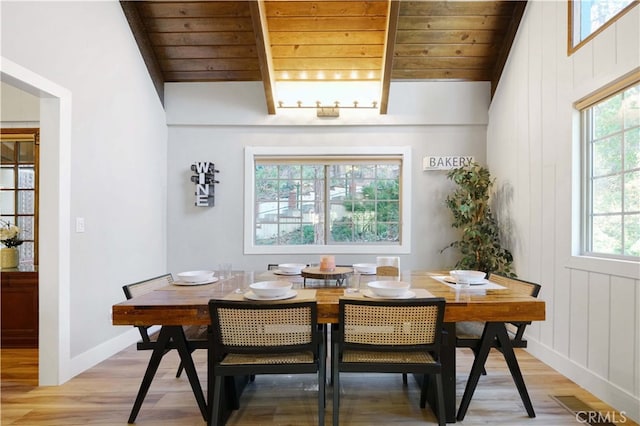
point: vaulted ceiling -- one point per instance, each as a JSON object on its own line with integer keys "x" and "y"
{"x": 323, "y": 40}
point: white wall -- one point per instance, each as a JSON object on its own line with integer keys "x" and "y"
{"x": 215, "y": 122}
{"x": 18, "y": 108}
{"x": 592, "y": 330}
{"x": 117, "y": 154}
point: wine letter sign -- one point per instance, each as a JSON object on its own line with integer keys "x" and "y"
{"x": 205, "y": 181}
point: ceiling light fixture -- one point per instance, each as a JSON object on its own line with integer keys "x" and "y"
{"x": 320, "y": 95}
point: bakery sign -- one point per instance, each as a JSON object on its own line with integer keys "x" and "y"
{"x": 447, "y": 162}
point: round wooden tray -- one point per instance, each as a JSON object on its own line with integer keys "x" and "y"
{"x": 314, "y": 272}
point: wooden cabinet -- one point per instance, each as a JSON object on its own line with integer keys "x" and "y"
{"x": 19, "y": 314}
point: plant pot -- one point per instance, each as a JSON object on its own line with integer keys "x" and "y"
{"x": 9, "y": 258}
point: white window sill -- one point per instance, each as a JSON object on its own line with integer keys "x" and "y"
{"x": 621, "y": 268}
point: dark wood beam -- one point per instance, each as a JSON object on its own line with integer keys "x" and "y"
{"x": 141, "y": 36}
{"x": 390, "y": 44}
{"x": 258, "y": 17}
{"x": 509, "y": 37}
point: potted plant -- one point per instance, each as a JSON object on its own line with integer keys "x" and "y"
{"x": 9, "y": 237}
{"x": 479, "y": 244}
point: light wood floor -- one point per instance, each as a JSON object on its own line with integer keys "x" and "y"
{"x": 104, "y": 395}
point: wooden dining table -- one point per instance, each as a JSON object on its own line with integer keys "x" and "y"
{"x": 174, "y": 306}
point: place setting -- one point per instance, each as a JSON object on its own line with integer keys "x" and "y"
{"x": 468, "y": 279}
{"x": 384, "y": 289}
{"x": 289, "y": 269}
{"x": 365, "y": 268}
{"x": 270, "y": 291}
{"x": 388, "y": 290}
{"x": 195, "y": 278}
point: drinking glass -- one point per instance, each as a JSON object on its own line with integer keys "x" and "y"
{"x": 353, "y": 282}
{"x": 242, "y": 282}
{"x": 224, "y": 270}
{"x": 463, "y": 283}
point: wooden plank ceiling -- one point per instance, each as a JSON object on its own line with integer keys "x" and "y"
{"x": 323, "y": 40}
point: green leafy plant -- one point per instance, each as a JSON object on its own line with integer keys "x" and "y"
{"x": 479, "y": 245}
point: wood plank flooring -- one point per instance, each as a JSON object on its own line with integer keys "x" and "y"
{"x": 104, "y": 395}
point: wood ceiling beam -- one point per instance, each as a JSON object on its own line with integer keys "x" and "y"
{"x": 140, "y": 34}
{"x": 259, "y": 20}
{"x": 390, "y": 43}
{"x": 510, "y": 35}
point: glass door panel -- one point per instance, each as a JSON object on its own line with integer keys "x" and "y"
{"x": 19, "y": 187}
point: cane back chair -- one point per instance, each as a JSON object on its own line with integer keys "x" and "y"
{"x": 255, "y": 338}
{"x": 389, "y": 336}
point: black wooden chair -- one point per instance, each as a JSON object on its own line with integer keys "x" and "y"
{"x": 195, "y": 337}
{"x": 255, "y": 338}
{"x": 480, "y": 337}
{"x": 389, "y": 336}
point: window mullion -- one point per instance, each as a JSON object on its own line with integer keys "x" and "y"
{"x": 327, "y": 203}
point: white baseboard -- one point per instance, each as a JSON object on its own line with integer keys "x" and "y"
{"x": 99, "y": 353}
{"x": 618, "y": 398}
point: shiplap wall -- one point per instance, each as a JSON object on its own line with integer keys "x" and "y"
{"x": 592, "y": 330}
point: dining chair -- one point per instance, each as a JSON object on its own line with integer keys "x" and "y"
{"x": 256, "y": 338}
{"x": 195, "y": 336}
{"x": 388, "y": 266}
{"x": 389, "y": 336}
{"x": 481, "y": 337}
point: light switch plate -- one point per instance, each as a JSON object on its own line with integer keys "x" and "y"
{"x": 79, "y": 224}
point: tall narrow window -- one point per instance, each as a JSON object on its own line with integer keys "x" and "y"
{"x": 589, "y": 17}
{"x": 343, "y": 200}
{"x": 19, "y": 187}
{"x": 611, "y": 202}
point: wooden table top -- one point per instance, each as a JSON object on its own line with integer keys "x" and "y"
{"x": 188, "y": 305}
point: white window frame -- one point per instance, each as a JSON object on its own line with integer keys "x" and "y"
{"x": 251, "y": 153}
{"x": 582, "y": 106}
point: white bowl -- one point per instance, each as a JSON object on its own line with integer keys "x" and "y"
{"x": 195, "y": 276}
{"x": 388, "y": 288}
{"x": 270, "y": 289}
{"x": 291, "y": 268}
{"x": 465, "y": 275}
{"x": 365, "y": 268}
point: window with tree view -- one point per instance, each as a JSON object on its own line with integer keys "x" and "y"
{"x": 589, "y": 17}
{"x": 611, "y": 129}
{"x": 327, "y": 201}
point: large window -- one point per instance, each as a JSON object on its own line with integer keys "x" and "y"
{"x": 342, "y": 200}
{"x": 611, "y": 165}
{"x": 590, "y": 17}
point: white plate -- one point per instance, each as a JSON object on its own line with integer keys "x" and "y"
{"x": 252, "y": 296}
{"x": 407, "y": 295}
{"x": 279, "y": 272}
{"x": 212, "y": 280}
{"x": 452, "y": 280}
{"x": 365, "y": 268}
